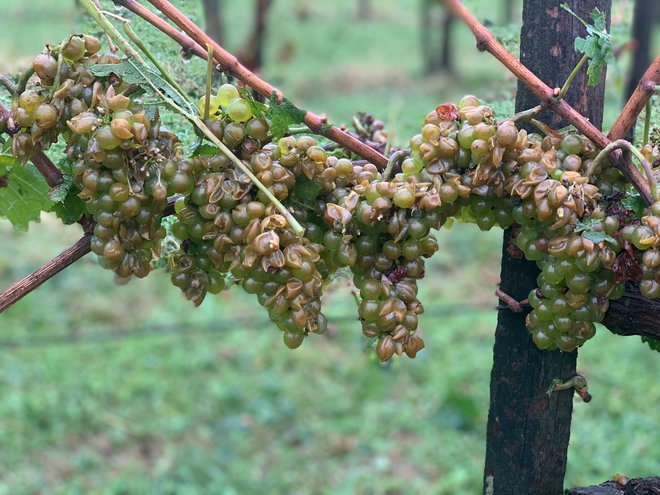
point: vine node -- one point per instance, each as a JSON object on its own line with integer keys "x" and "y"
{"x": 510, "y": 302}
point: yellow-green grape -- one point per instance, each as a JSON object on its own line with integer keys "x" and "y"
{"x": 29, "y": 100}
{"x": 404, "y": 198}
{"x": 239, "y": 110}
{"x": 45, "y": 66}
{"x": 411, "y": 167}
{"x": 45, "y": 116}
{"x": 74, "y": 50}
{"x": 226, "y": 94}
{"x": 214, "y": 105}
{"x": 92, "y": 44}
{"x": 106, "y": 138}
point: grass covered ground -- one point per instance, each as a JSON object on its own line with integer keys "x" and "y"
{"x": 130, "y": 390}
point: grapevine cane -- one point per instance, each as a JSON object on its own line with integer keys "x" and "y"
{"x": 8, "y": 84}
{"x": 636, "y": 102}
{"x": 486, "y": 41}
{"x": 228, "y": 62}
{"x": 27, "y": 284}
{"x": 623, "y": 144}
{"x": 47, "y": 169}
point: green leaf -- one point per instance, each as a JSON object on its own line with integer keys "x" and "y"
{"x": 600, "y": 23}
{"x": 59, "y": 192}
{"x": 597, "y": 46}
{"x": 145, "y": 78}
{"x": 588, "y": 230}
{"x": 588, "y": 224}
{"x": 25, "y": 194}
{"x": 205, "y": 149}
{"x": 259, "y": 109}
{"x": 635, "y": 203}
{"x": 71, "y": 209}
{"x": 305, "y": 192}
{"x": 282, "y": 115}
{"x": 67, "y": 205}
{"x": 596, "y": 237}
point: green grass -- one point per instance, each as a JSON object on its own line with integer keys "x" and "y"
{"x": 130, "y": 390}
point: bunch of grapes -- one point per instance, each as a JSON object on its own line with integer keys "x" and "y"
{"x": 502, "y": 175}
{"x": 41, "y": 112}
{"x": 566, "y": 211}
{"x": 645, "y": 237}
{"x": 229, "y": 231}
{"x": 123, "y": 163}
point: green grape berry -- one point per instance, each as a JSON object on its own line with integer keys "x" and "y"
{"x": 239, "y": 110}
{"x": 226, "y": 94}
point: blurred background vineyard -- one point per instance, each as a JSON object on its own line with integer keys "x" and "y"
{"x": 131, "y": 390}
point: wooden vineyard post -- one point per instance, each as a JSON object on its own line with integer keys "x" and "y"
{"x": 528, "y": 432}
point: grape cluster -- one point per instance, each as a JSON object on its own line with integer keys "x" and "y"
{"x": 565, "y": 211}
{"x": 42, "y": 111}
{"x": 645, "y": 237}
{"x": 121, "y": 158}
{"x": 232, "y": 232}
{"x": 123, "y": 165}
{"x": 585, "y": 246}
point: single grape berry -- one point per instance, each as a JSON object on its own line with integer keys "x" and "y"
{"x": 239, "y": 110}
{"x": 226, "y": 94}
{"x": 74, "y": 50}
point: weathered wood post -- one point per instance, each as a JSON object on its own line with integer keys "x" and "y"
{"x": 528, "y": 432}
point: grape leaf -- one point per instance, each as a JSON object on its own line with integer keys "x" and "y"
{"x": 305, "y": 192}
{"x": 143, "y": 77}
{"x": 597, "y": 45}
{"x": 258, "y": 109}
{"x": 59, "y": 192}
{"x": 635, "y": 203}
{"x": 67, "y": 205}
{"x": 588, "y": 231}
{"x": 282, "y": 115}
{"x": 205, "y": 149}
{"x": 596, "y": 237}
{"x": 25, "y": 194}
{"x": 71, "y": 208}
